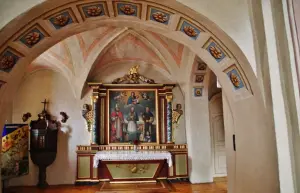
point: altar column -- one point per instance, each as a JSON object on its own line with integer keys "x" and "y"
{"x": 169, "y": 118}
{"x": 95, "y": 103}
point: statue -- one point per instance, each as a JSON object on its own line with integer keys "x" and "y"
{"x": 26, "y": 116}
{"x": 134, "y": 70}
{"x": 176, "y": 114}
{"x": 43, "y": 141}
{"x": 88, "y": 115}
{"x": 133, "y": 77}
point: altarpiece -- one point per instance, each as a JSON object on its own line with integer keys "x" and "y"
{"x": 131, "y": 108}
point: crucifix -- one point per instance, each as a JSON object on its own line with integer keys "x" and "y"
{"x": 45, "y": 103}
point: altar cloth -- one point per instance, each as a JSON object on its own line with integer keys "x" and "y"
{"x": 115, "y": 155}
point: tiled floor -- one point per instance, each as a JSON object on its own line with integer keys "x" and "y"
{"x": 220, "y": 186}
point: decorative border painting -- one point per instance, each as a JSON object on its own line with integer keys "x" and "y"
{"x": 132, "y": 115}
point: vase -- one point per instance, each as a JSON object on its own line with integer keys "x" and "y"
{"x": 135, "y": 148}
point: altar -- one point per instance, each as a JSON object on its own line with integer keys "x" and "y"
{"x": 133, "y": 166}
{"x": 131, "y": 109}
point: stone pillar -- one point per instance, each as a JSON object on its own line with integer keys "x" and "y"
{"x": 169, "y": 118}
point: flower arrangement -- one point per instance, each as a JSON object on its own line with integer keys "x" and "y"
{"x": 136, "y": 142}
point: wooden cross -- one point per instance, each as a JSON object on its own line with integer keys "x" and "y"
{"x": 45, "y": 102}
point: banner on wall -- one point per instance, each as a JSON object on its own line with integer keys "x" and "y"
{"x": 15, "y": 153}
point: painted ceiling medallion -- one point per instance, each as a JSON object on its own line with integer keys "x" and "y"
{"x": 215, "y": 52}
{"x": 127, "y": 9}
{"x": 32, "y": 38}
{"x": 190, "y": 31}
{"x": 197, "y": 92}
{"x": 160, "y": 17}
{"x": 7, "y": 62}
{"x": 234, "y": 79}
{"x": 94, "y": 11}
{"x": 201, "y": 66}
{"x": 61, "y": 20}
{"x": 199, "y": 78}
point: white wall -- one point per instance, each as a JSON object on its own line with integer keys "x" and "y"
{"x": 198, "y": 138}
{"x": 52, "y": 86}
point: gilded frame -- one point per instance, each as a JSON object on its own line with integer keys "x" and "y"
{"x": 108, "y": 107}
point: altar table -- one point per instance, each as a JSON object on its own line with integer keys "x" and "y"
{"x": 120, "y": 163}
{"x": 132, "y": 156}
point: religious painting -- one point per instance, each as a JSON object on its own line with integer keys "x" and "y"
{"x": 15, "y": 151}
{"x": 132, "y": 115}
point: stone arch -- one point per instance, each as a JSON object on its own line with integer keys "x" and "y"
{"x": 194, "y": 31}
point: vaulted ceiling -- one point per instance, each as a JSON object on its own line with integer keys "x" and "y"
{"x": 106, "y": 46}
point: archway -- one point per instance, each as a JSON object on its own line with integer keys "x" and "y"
{"x": 24, "y": 43}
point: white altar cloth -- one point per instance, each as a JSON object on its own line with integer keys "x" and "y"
{"x": 115, "y": 155}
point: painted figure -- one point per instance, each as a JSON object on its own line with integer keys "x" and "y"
{"x": 148, "y": 120}
{"x": 117, "y": 121}
{"x": 147, "y": 137}
{"x": 132, "y": 99}
{"x": 132, "y": 119}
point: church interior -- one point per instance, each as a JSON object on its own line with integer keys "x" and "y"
{"x": 150, "y": 96}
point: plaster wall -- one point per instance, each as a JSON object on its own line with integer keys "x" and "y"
{"x": 55, "y": 88}
{"x": 198, "y": 138}
{"x": 231, "y": 16}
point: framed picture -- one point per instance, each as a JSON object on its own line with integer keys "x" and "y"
{"x": 132, "y": 115}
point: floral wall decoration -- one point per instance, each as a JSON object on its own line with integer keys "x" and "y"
{"x": 32, "y": 37}
{"x": 189, "y": 29}
{"x": 61, "y": 20}
{"x": 8, "y": 60}
{"x": 235, "y": 77}
{"x": 93, "y": 10}
{"x": 198, "y": 92}
{"x": 158, "y": 15}
{"x": 129, "y": 9}
{"x": 215, "y": 50}
{"x": 199, "y": 78}
{"x": 201, "y": 66}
